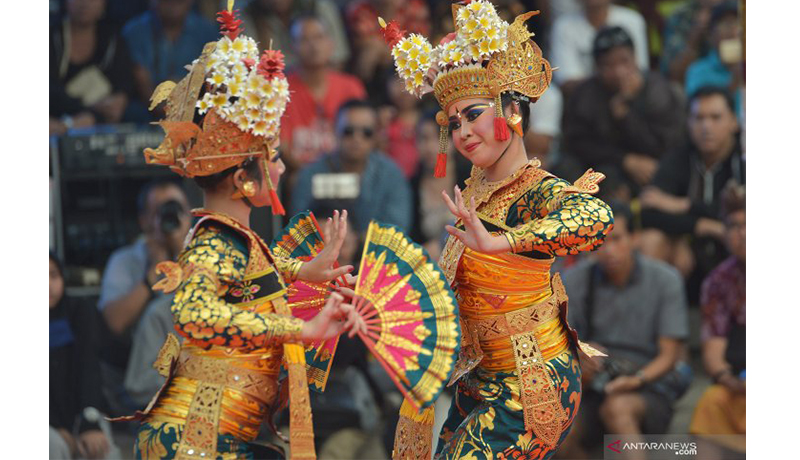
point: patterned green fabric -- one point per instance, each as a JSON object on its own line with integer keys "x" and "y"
{"x": 159, "y": 440}
{"x": 486, "y": 418}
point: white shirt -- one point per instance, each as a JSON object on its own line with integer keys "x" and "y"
{"x": 572, "y": 38}
{"x": 559, "y": 8}
{"x": 546, "y": 113}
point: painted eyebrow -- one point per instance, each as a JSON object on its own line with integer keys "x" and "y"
{"x": 277, "y": 156}
{"x": 468, "y": 108}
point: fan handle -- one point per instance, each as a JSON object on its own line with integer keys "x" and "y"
{"x": 371, "y": 346}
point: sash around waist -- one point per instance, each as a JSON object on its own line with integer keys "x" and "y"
{"x": 249, "y": 388}
{"x": 488, "y": 284}
{"x": 493, "y": 333}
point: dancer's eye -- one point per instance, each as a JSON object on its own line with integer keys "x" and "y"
{"x": 454, "y": 125}
{"x": 474, "y": 113}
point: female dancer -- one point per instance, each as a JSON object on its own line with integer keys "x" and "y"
{"x": 518, "y": 372}
{"x": 230, "y": 304}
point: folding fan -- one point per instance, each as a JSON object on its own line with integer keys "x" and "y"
{"x": 410, "y": 311}
{"x": 302, "y": 239}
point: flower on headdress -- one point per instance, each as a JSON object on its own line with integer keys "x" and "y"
{"x": 412, "y": 58}
{"x": 452, "y": 52}
{"x": 228, "y": 24}
{"x": 252, "y": 113}
{"x": 271, "y": 64}
{"x": 242, "y": 123}
{"x": 217, "y": 79}
{"x": 481, "y": 30}
{"x": 243, "y": 89}
{"x": 252, "y": 99}
{"x": 239, "y": 45}
{"x": 391, "y": 32}
{"x": 204, "y": 104}
{"x": 219, "y": 99}
{"x": 260, "y": 127}
{"x": 235, "y": 89}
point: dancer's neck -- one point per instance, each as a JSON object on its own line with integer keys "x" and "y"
{"x": 235, "y": 208}
{"x": 509, "y": 162}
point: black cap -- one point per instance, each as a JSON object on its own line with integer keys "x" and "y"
{"x": 609, "y": 38}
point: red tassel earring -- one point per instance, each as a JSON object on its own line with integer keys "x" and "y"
{"x": 275, "y": 202}
{"x": 500, "y": 124}
{"x": 441, "y": 158}
{"x": 277, "y": 207}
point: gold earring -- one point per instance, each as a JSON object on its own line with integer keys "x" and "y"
{"x": 515, "y": 123}
{"x": 249, "y": 188}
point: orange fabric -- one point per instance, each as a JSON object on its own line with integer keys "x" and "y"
{"x": 490, "y": 285}
{"x": 719, "y": 411}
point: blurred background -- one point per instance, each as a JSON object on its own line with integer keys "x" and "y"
{"x": 649, "y": 92}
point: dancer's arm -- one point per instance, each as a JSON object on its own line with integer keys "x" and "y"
{"x": 210, "y": 262}
{"x": 564, "y": 220}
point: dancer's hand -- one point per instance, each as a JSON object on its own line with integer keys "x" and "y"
{"x": 334, "y": 318}
{"x": 475, "y": 236}
{"x": 347, "y": 291}
{"x": 320, "y": 269}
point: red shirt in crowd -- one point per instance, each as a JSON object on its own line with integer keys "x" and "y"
{"x": 307, "y": 127}
{"x": 402, "y": 146}
{"x": 413, "y": 16}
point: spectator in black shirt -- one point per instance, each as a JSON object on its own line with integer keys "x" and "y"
{"x": 680, "y": 211}
{"x": 75, "y": 396}
{"x": 90, "y": 69}
{"x": 621, "y": 120}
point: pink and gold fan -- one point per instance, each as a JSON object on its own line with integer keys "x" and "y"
{"x": 302, "y": 239}
{"x": 410, "y": 311}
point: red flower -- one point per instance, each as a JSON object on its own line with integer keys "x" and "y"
{"x": 249, "y": 63}
{"x": 271, "y": 64}
{"x": 229, "y": 25}
{"x": 392, "y": 33}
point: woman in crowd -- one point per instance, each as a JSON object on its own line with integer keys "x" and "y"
{"x": 518, "y": 373}
{"x": 90, "y": 77}
{"x": 222, "y": 126}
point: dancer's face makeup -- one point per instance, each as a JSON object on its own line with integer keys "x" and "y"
{"x": 471, "y": 123}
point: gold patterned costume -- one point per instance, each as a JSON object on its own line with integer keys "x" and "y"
{"x": 230, "y": 292}
{"x": 518, "y": 372}
{"x": 222, "y": 383}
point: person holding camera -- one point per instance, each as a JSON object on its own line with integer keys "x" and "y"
{"x": 126, "y": 296}
{"x": 634, "y": 309}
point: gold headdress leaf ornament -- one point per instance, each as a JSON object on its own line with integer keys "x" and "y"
{"x": 241, "y": 97}
{"x": 484, "y": 58}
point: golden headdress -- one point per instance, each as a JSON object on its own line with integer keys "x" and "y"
{"x": 243, "y": 101}
{"x": 484, "y": 58}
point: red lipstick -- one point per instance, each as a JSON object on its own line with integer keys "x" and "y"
{"x": 471, "y": 147}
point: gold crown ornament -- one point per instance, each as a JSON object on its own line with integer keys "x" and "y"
{"x": 484, "y": 58}
{"x": 242, "y": 101}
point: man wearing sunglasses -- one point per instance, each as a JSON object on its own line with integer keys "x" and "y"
{"x": 356, "y": 176}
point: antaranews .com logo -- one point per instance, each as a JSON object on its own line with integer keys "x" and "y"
{"x": 678, "y": 448}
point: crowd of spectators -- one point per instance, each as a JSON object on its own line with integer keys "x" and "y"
{"x": 649, "y": 93}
